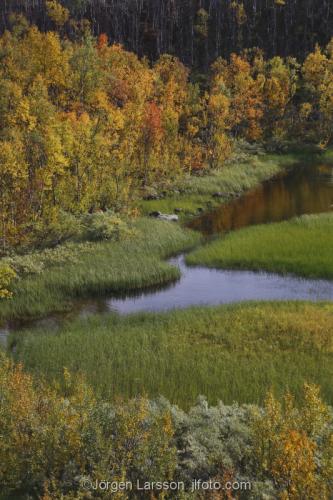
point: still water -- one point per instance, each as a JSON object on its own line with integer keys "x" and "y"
{"x": 303, "y": 190}
{"x": 202, "y": 286}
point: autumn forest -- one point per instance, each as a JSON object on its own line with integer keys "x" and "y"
{"x": 166, "y": 269}
{"x": 87, "y": 125}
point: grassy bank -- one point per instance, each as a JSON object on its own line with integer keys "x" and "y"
{"x": 327, "y": 156}
{"x": 197, "y": 192}
{"x": 301, "y": 246}
{"x": 232, "y": 353}
{"x": 95, "y": 269}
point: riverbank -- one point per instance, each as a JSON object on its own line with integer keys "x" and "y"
{"x": 80, "y": 270}
{"x": 301, "y": 246}
{"x": 94, "y": 269}
{"x": 198, "y": 194}
{"x": 228, "y": 353}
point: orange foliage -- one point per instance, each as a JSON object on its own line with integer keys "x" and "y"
{"x": 153, "y": 123}
{"x": 102, "y": 41}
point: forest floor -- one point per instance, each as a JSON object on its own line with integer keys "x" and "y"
{"x": 227, "y": 353}
{"x": 301, "y": 246}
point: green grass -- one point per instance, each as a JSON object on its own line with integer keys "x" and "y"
{"x": 302, "y": 246}
{"x": 229, "y": 353}
{"x": 234, "y": 178}
{"x": 327, "y": 156}
{"x": 138, "y": 263}
{"x": 105, "y": 267}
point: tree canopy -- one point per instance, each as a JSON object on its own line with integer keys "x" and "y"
{"x": 196, "y": 31}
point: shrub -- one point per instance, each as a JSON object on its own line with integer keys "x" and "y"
{"x": 7, "y": 276}
{"x": 105, "y": 226}
{"x": 25, "y": 265}
{"x": 61, "y": 227}
{"x": 293, "y": 445}
{"x": 35, "y": 263}
{"x": 50, "y": 442}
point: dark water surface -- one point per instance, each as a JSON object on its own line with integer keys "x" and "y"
{"x": 303, "y": 190}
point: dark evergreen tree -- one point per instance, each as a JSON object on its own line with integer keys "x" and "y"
{"x": 197, "y": 31}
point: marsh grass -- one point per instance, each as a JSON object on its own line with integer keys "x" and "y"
{"x": 104, "y": 267}
{"x": 234, "y": 178}
{"x": 327, "y": 156}
{"x": 302, "y": 246}
{"x": 228, "y": 353}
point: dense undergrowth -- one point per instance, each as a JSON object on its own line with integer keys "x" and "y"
{"x": 68, "y": 444}
{"x": 302, "y": 246}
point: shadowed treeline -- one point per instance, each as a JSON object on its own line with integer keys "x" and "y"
{"x": 197, "y": 31}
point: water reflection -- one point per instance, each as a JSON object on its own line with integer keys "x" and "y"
{"x": 302, "y": 191}
{"x": 305, "y": 190}
{"x": 202, "y": 286}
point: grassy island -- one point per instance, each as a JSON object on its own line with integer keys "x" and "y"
{"x": 301, "y": 246}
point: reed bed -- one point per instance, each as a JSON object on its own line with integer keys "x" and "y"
{"x": 302, "y": 246}
{"x": 228, "y": 353}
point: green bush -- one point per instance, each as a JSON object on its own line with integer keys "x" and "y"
{"x": 105, "y": 226}
{"x": 57, "y": 229}
{"x": 7, "y": 276}
{"x": 37, "y": 262}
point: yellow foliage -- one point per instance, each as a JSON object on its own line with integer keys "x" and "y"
{"x": 293, "y": 466}
{"x": 240, "y": 12}
{"x": 51, "y": 442}
{"x": 57, "y": 12}
{"x": 7, "y": 275}
{"x": 85, "y": 125}
{"x": 285, "y": 441}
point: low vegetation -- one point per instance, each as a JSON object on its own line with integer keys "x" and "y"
{"x": 64, "y": 445}
{"x": 301, "y": 246}
{"x": 204, "y": 192}
{"x": 228, "y": 353}
{"x": 49, "y": 280}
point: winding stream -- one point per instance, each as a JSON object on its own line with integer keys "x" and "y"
{"x": 303, "y": 190}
